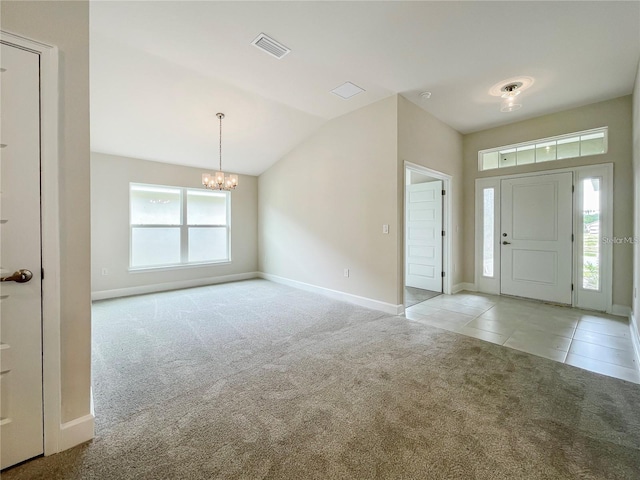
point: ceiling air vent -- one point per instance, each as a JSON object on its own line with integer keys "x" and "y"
{"x": 269, "y": 45}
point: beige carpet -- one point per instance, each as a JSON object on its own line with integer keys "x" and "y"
{"x": 255, "y": 380}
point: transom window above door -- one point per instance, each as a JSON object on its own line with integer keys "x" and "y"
{"x": 571, "y": 145}
{"x": 174, "y": 226}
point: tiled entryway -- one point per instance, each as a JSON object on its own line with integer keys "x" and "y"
{"x": 597, "y": 342}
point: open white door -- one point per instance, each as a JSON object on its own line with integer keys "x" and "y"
{"x": 536, "y": 237}
{"x": 423, "y": 225}
{"x": 21, "y": 415}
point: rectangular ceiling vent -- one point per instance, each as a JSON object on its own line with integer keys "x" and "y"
{"x": 269, "y": 45}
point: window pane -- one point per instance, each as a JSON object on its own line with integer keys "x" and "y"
{"x": 208, "y": 244}
{"x": 206, "y": 208}
{"x": 152, "y": 205}
{"x": 155, "y": 246}
{"x": 487, "y": 232}
{"x": 591, "y": 235}
{"x": 545, "y": 151}
{"x": 569, "y": 148}
{"x": 490, "y": 160}
{"x": 526, "y": 155}
{"x": 508, "y": 157}
{"x": 592, "y": 144}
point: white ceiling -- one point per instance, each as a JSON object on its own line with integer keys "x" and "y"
{"x": 161, "y": 70}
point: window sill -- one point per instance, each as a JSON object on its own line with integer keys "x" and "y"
{"x": 163, "y": 268}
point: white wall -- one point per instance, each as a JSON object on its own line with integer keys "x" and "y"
{"x": 426, "y": 141}
{"x": 322, "y": 207}
{"x": 616, "y": 114}
{"x": 110, "y": 178}
{"x": 66, "y": 25}
{"x": 636, "y": 212}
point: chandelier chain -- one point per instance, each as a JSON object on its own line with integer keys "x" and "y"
{"x": 220, "y": 147}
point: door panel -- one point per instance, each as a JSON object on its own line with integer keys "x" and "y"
{"x": 536, "y": 244}
{"x": 423, "y": 229}
{"x": 21, "y": 422}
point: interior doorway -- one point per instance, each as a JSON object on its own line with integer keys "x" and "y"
{"x": 426, "y": 243}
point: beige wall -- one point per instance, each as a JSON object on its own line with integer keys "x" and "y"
{"x": 322, "y": 207}
{"x": 110, "y": 178}
{"x": 66, "y": 25}
{"x": 636, "y": 190}
{"x": 616, "y": 114}
{"x": 426, "y": 141}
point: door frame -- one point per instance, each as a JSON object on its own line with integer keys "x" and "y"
{"x": 446, "y": 222}
{"x": 605, "y": 171}
{"x": 50, "y": 228}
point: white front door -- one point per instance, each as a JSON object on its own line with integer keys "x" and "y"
{"x": 536, "y": 237}
{"x": 21, "y": 415}
{"x": 423, "y": 233}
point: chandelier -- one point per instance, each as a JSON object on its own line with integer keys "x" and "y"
{"x": 220, "y": 181}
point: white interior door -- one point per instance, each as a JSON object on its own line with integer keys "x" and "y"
{"x": 21, "y": 414}
{"x": 536, "y": 237}
{"x": 423, "y": 233}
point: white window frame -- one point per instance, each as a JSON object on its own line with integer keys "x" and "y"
{"x": 184, "y": 232}
{"x": 534, "y": 143}
{"x": 582, "y": 298}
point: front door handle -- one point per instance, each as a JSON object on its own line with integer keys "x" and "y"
{"x": 506, "y": 243}
{"x": 21, "y": 276}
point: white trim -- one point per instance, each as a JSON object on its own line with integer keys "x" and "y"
{"x": 77, "y": 431}
{"x": 337, "y": 295}
{"x": 49, "y": 134}
{"x": 447, "y": 221}
{"x": 620, "y": 310}
{"x": 459, "y": 287}
{"x": 163, "y": 287}
{"x": 635, "y": 337}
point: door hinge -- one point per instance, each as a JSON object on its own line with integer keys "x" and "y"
{"x": 42, "y": 274}
{"x": 443, "y": 274}
{"x": 444, "y": 192}
{"x": 572, "y": 287}
{"x": 443, "y": 233}
{"x": 573, "y": 188}
{"x": 572, "y": 237}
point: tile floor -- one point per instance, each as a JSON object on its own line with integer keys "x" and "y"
{"x": 597, "y": 342}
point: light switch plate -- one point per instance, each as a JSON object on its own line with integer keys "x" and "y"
{"x": 385, "y": 228}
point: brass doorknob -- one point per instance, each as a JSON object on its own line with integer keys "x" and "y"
{"x": 21, "y": 276}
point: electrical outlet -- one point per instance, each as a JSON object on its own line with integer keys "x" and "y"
{"x": 346, "y": 272}
{"x": 105, "y": 271}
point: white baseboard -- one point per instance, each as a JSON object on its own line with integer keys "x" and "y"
{"x": 459, "y": 287}
{"x": 337, "y": 295}
{"x": 635, "y": 337}
{"x": 163, "y": 287}
{"x": 621, "y": 310}
{"x": 76, "y": 432}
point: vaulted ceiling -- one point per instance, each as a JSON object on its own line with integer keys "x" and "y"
{"x": 161, "y": 70}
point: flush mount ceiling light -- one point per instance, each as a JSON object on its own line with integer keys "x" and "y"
{"x": 510, "y": 97}
{"x": 220, "y": 181}
{"x": 347, "y": 90}
{"x": 509, "y": 90}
